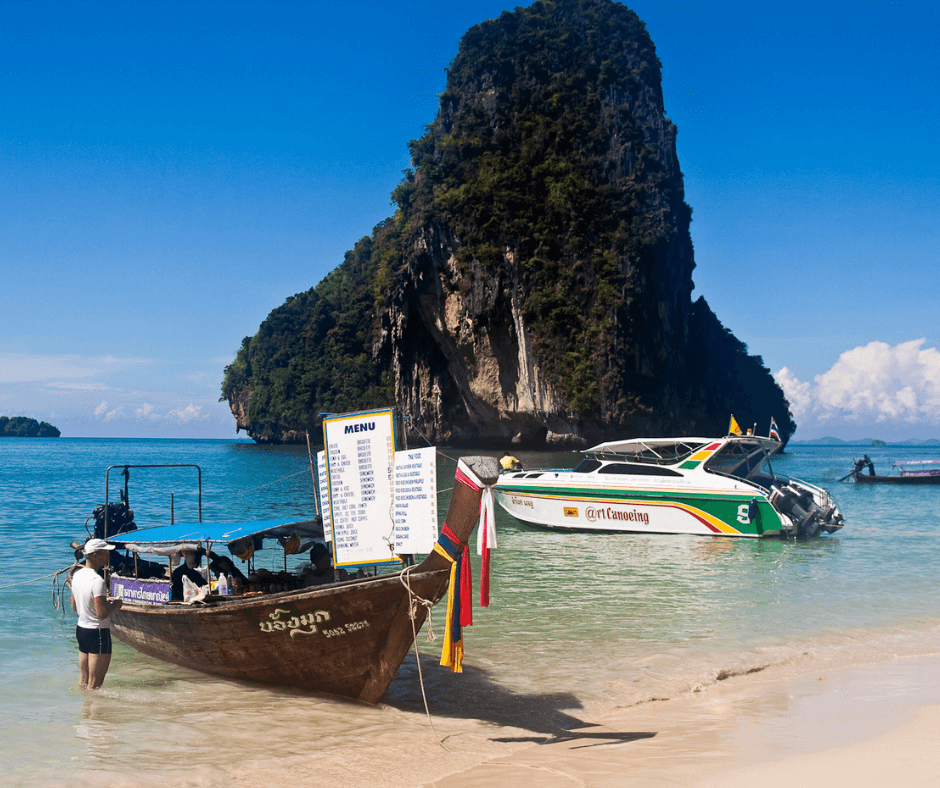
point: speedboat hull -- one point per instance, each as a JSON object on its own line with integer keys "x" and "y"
{"x": 638, "y": 510}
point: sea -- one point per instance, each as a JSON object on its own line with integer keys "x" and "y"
{"x": 579, "y": 625}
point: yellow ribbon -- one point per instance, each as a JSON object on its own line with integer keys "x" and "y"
{"x": 451, "y": 653}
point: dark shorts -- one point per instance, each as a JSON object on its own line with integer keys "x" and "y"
{"x": 93, "y": 641}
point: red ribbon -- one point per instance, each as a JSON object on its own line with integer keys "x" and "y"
{"x": 485, "y": 567}
{"x": 466, "y": 589}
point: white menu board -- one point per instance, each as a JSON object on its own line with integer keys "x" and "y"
{"x": 360, "y": 459}
{"x": 416, "y": 500}
{"x": 324, "y": 494}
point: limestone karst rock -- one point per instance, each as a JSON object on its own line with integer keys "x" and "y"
{"x": 534, "y": 284}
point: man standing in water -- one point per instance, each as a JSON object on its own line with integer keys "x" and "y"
{"x": 90, "y": 600}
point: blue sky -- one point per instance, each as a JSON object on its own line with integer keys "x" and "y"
{"x": 172, "y": 172}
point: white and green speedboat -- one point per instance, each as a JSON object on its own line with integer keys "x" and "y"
{"x": 707, "y": 486}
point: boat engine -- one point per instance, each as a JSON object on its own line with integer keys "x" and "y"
{"x": 799, "y": 505}
{"x": 120, "y": 519}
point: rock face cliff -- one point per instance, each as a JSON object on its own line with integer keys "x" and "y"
{"x": 534, "y": 285}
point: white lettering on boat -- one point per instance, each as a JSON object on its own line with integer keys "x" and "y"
{"x": 630, "y": 516}
{"x": 345, "y": 629}
{"x": 297, "y": 625}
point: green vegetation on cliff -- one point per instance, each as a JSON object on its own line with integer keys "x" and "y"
{"x": 521, "y": 158}
{"x": 24, "y": 427}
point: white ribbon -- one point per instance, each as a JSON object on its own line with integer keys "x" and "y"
{"x": 487, "y": 521}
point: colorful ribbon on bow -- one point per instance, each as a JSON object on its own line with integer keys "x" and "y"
{"x": 449, "y": 546}
{"x": 459, "y": 592}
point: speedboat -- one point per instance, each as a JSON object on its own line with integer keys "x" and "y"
{"x": 707, "y": 486}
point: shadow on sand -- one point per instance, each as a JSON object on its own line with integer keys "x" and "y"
{"x": 473, "y": 695}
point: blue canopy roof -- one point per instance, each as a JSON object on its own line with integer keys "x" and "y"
{"x": 166, "y": 539}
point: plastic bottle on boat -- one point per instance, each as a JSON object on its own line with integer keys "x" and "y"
{"x": 223, "y": 585}
{"x": 229, "y": 584}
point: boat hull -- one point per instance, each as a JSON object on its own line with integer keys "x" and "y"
{"x": 866, "y": 479}
{"x": 348, "y": 639}
{"x": 704, "y": 513}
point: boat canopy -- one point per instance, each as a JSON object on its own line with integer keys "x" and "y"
{"x": 652, "y": 449}
{"x": 170, "y": 539}
{"x": 666, "y": 451}
{"x": 918, "y": 467}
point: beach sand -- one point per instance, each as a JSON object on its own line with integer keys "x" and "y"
{"x": 871, "y": 725}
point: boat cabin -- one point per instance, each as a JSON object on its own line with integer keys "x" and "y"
{"x": 746, "y": 458}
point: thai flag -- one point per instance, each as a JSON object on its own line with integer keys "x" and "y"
{"x": 774, "y": 432}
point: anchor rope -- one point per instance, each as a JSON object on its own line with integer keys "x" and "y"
{"x": 413, "y": 601}
{"x": 42, "y": 577}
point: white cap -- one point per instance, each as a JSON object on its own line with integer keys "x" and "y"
{"x": 96, "y": 545}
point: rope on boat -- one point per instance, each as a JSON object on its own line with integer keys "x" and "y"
{"x": 413, "y": 601}
{"x": 268, "y": 484}
{"x": 58, "y": 593}
{"x": 43, "y": 577}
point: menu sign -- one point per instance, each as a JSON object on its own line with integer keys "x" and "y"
{"x": 324, "y": 494}
{"x": 360, "y": 460}
{"x": 416, "y": 500}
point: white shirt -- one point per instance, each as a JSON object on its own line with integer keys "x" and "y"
{"x": 87, "y": 585}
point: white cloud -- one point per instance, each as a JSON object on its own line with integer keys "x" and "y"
{"x": 104, "y": 414}
{"x": 28, "y": 368}
{"x": 799, "y": 394}
{"x": 188, "y": 413}
{"x": 872, "y": 384}
{"x": 145, "y": 411}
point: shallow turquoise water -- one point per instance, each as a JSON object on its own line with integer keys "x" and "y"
{"x": 579, "y": 624}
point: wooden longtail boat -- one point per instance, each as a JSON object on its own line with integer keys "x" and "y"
{"x": 348, "y": 638}
{"x": 914, "y": 472}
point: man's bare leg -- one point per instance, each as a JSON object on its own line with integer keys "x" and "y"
{"x": 98, "y": 665}
{"x": 82, "y": 669}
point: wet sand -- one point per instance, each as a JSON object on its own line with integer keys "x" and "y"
{"x": 870, "y": 725}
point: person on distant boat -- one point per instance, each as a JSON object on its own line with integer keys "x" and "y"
{"x": 509, "y": 463}
{"x": 189, "y": 567}
{"x": 860, "y": 466}
{"x": 320, "y": 570}
{"x": 222, "y": 564}
{"x": 91, "y": 601}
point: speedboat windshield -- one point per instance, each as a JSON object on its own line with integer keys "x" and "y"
{"x": 743, "y": 459}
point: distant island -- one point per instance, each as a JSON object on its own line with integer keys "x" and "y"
{"x": 831, "y": 441}
{"x": 24, "y": 427}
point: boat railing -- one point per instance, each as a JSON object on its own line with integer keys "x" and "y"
{"x": 647, "y": 455}
{"x": 909, "y": 467}
{"x": 125, "y": 472}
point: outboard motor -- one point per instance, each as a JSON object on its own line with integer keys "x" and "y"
{"x": 120, "y": 519}
{"x": 800, "y": 507}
